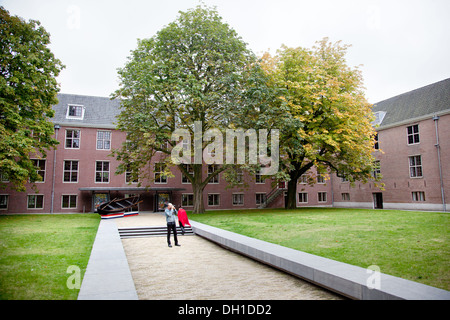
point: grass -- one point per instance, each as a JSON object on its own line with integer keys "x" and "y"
{"x": 406, "y": 244}
{"x": 36, "y": 251}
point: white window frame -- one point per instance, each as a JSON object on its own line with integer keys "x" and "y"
{"x": 187, "y": 195}
{"x": 345, "y": 196}
{"x": 35, "y": 195}
{"x": 239, "y": 197}
{"x": 190, "y": 169}
{"x": 76, "y": 106}
{"x": 103, "y": 140}
{"x": 79, "y": 139}
{"x": 218, "y": 199}
{"x": 7, "y": 201}
{"x": 418, "y": 196}
{"x": 69, "y": 195}
{"x": 259, "y": 179}
{"x": 70, "y": 170}
{"x": 413, "y": 134}
{"x": 415, "y": 166}
{"x": 376, "y": 169}
{"x": 304, "y": 197}
{"x": 263, "y": 198}
{"x": 162, "y": 180}
{"x": 322, "y": 196}
{"x": 216, "y": 179}
{"x": 37, "y": 170}
{"x": 102, "y": 171}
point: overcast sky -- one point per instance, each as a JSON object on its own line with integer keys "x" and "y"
{"x": 402, "y": 44}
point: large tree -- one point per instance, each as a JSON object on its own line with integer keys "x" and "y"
{"x": 28, "y": 88}
{"x": 194, "y": 70}
{"x": 327, "y": 124}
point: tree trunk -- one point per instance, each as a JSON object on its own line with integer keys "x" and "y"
{"x": 198, "y": 199}
{"x": 292, "y": 192}
{"x": 197, "y": 189}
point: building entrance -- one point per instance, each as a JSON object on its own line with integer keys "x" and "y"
{"x": 378, "y": 200}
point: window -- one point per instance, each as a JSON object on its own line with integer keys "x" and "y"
{"x": 35, "y": 201}
{"x": 211, "y": 169}
{"x": 4, "y": 177}
{"x": 258, "y": 178}
{"x": 70, "y": 171}
{"x": 320, "y": 178}
{"x": 418, "y": 196}
{"x": 322, "y": 196}
{"x": 213, "y": 199}
{"x": 190, "y": 169}
{"x": 187, "y": 200}
{"x": 415, "y": 166}
{"x": 40, "y": 167}
{"x": 260, "y": 198}
{"x": 103, "y": 140}
{"x": 240, "y": 176}
{"x": 72, "y": 139}
{"x": 303, "y": 179}
{"x": 413, "y": 134}
{"x": 376, "y": 169}
{"x": 345, "y": 196}
{"x": 4, "y": 199}
{"x": 303, "y": 197}
{"x": 376, "y": 144}
{"x": 75, "y": 112}
{"x": 102, "y": 171}
{"x": 159, "y": 173}
{"x": 69, "y": 201}
{"x": 238, "y": 199}
{"x": 129, "y": 176}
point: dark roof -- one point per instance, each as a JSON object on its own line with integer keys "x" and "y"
{"x": 428, "y": 100}
{"x": 98, "y": 111}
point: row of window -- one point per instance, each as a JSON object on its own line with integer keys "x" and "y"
{"x": 412, "y": 134}
{"x": 345, "y": 196}
{"x": 415, "y": 167}
{"x": 73, "y": 139}
{"x": 187, "y": 199}
{"x": 36, "y": 201}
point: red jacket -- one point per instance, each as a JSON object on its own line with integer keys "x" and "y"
{"x": 182, "y": 217}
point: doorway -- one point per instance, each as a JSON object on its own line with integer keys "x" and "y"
{"x": 161, "y": 199}
{"x": 378, "y": 200}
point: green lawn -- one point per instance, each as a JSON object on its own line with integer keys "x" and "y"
{"x": 36, "y": 250}
{"x": 411, "y": 245}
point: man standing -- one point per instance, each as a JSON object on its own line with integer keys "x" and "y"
{"x": 170, "y": 219}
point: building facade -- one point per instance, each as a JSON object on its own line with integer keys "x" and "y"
{"x": 412, "y": 154}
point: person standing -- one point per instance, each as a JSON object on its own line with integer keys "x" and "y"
{"x": 170, "y": 213}
{"x": 183, "y": 219}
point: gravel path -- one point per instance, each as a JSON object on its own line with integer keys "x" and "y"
{"x": 202, "y": 270}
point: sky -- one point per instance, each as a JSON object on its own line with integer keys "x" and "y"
{"x": 400, "y": 45}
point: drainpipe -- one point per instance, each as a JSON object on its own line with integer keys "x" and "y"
{"x": 54, "y": 168}
{"x": 438, "y": 147}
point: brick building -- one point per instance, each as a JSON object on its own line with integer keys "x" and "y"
{"x": 412, "y": 152}
{"x": 80, "y": 173}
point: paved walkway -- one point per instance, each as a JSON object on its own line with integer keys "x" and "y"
{"x": 200, "y": 269}
{"x": 107, "y": 274}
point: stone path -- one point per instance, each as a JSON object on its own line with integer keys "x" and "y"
{"x": 200, "y": 269}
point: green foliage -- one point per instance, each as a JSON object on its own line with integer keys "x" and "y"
{"x": 327, "y": 119}
{"x": 192, "y": 70}
{"x": 28, "y": 90}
